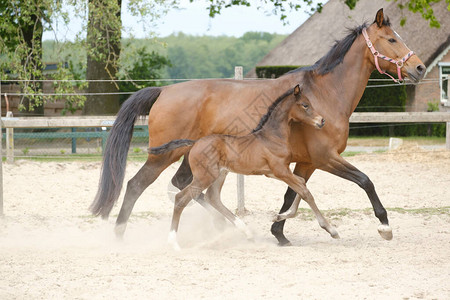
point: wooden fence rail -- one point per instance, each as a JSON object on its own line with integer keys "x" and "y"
{"x": 107, "y": 121}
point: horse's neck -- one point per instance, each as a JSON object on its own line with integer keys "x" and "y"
{"x": 344, "y": 85}
{"x": 278, "y": 120}
{"x": 351, "y": 76}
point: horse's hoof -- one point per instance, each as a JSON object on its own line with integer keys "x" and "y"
{"x": 385, "y": 231}
{"x": 172, "y": 240}
{"x": 119, "y": 230}
{"x": 284, "y": 244}
{"x": 335, "y": 235}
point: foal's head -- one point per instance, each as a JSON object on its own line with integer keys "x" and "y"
{"x": 390, "y": 52}
{"x": 302, "y": 110}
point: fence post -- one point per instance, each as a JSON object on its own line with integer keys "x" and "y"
{"x": 447, "y": 136}
{"x": 238, "y": 75}
{"x": 9, "y": 140}
{"x": 74, "y": 142}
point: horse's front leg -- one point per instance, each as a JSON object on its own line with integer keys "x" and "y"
{"x": 340, "y": 167}
{"x": 304, "y": 171}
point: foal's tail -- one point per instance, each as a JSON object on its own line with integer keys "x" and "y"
{"x": 116, "y": 150}
{"x": 172, "y": 145}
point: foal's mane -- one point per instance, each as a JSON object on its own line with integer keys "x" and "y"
{"x": 337, "y": 53}
{"x": 271, "y": 109}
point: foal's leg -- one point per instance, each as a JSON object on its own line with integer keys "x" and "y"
{"x": 340, "y": 167}
{"x": 136, "y": 185}
{"x": 304, "y": 171}
{"x": 298, "y": 185}
{"x": 213, "y": 198}
{"x": 183, "y": 177}
{"x": 192, "y": 191}
{"x": 291, "y": 212}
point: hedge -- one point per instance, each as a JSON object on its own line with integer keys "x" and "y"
{"x": 377, "y": 99}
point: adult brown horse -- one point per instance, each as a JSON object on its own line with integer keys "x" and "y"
{"x": 193, "y": 109}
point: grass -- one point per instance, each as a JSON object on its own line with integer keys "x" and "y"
{"x": 307, "y": 214}
{"x": 141, "y": 157}
{"x": 380, "y": 141}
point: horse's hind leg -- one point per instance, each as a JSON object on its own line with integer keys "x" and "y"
{"x": 340, "y": 167}
{"x": 182, "y": 199}
{"x": 136, "y": 185}
{"x": 213, "y": 197}
{"x": 213, "y": 194}
{"x": 183, "y": 177}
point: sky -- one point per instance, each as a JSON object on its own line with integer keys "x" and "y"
{"x": 192, "y": 18}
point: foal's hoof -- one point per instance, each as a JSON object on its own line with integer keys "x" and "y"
{"x": 385, "y": 231}
{"x": 119, "y": 230}
{"x": 278, "y": 218}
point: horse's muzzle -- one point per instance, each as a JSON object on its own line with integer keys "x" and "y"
{"x": 417, "y": 73}
{"x": 321, "y": 123}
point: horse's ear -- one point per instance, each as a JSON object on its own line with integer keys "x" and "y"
{"x": 297, "y": 90}
{"x": 379, "y": 19}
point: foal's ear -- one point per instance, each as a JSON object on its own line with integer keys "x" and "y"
{"x": 379, "y": 19}
{"x": 297, "y": 90}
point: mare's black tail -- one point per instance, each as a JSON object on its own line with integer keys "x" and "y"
{"x": 172, "y": 145}
{"x": 116, "y": 150}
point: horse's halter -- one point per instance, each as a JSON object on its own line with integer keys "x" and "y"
{"x": 377, "y": 54}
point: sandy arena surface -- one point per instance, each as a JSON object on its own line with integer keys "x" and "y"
{"x": 52, "y": 248}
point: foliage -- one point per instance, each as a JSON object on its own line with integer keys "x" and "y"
{"x": 177, "y": 56}
{"x": 215, "y": 57}
{"x": 416, "y": 6}
{"x": 279, "y": 6}
{"x": 22, "y": 23}
{"x": 141, "y": 65}
{"x": 273, "y": 71}
{"x": 390, "y": 98}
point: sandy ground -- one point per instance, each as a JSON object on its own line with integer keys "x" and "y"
{"x": 51, "y": 248}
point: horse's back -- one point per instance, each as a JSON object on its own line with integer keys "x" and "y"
{"x": 194, "y": 109}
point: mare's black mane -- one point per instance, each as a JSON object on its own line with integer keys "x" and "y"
{"x": 337, "y": 53}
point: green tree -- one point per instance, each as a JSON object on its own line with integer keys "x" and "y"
{"x": 21, "y": 29}
{"x": 144, "y": 64}
{"x": 103, "y": 51}
{"x": 23, "y": 21}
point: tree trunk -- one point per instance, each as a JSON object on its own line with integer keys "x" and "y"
{"x": 103, "y": 37}
{"x": 32, "y": 34}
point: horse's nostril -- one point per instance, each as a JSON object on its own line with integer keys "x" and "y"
{"x": 322, "y": 122}
{"x": 420, "y": 69}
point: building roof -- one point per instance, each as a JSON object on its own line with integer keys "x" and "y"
{"x": 312, "y": 40}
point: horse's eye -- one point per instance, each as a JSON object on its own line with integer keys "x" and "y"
{"x": 391, "y": 40}
{"x": 305, "y": 106}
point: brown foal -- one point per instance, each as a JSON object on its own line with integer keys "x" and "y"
{"x": 265, "y": 151}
